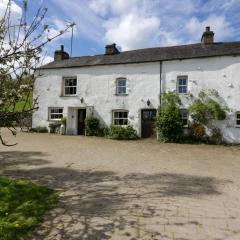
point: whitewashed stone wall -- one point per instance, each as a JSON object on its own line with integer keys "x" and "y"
{"x": 220, "y": 73}
{"x": 97, "y": 86}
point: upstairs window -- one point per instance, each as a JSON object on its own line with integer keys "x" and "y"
{"x": 182, "y": 84}
{"x": 121, "y": 86}
{"x": 184, "y": 116}
{"x": 238, "y": 119}
{"x": 70, "y": 86}
{"x": 120, "y": 117}
{"x": 55, "y": 114}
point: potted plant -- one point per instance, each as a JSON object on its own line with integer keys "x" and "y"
{"x": 63, "y": 125}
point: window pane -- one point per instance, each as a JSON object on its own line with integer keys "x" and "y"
{"x": 120, "y": 121}
{"x": 184, "y": 114}
{"x": 238, "y": 122}
{"x": 115, "y": 114}
{"x": 69, "y": 82}
{"x": 120, "y": 118}
{"x": 238, "y": 115}
{"x": 182, "y": 89}
{"x": 121, "y": 82}
{"x": 56, "y": 113}
{"x": 185, "y": 122}
{"x": 120, "y": 114}
{"x": 121, "y": 90}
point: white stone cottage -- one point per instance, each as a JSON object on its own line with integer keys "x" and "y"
{"x": 124, "y": 87}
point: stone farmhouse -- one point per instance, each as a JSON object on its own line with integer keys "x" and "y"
{"x": 124, "y": 87}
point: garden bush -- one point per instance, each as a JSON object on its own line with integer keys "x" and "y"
{"x": 122, "y": 132}
{"x": 169, "y": 122}
{"x": 39, "y": 129}
{"x": 93, "y": 126}
{"x": 207, "y": 108}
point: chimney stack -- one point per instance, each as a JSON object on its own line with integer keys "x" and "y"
{"x": 208, "y": 36}
{"x": 60, "y": 54}
{"x": 111, "y": 49}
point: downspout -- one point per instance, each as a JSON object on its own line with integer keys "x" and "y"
{"x": 160, "y": 94}
{"x": 160, "y": 90}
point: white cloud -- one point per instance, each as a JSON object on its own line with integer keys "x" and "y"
{"x": 218, "y": 24}
{"x": 88, "y": 24}
{"x": 129, "y": 34}
{"x": 16, "y": 11}
{"x": 45, "y": 60}
{"x": 116, "y": 7}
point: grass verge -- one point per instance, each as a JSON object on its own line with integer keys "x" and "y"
{"x": 22, "y": 205}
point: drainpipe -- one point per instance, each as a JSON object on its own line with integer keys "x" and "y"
{"x": 160, "y": 94}
{"x": 160, "y": 89}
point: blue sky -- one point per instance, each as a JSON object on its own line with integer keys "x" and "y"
{"x": 134, "y": 24}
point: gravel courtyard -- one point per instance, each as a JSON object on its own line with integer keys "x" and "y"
{"x": 130, "y": 190}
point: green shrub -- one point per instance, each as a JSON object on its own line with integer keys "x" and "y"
{"x": 169, "y": 122}
{"x": 207, "y": 108}
{"x": 93, "y": 126}
{"x": 40, "y": 129}
{"x": 63, "y": 121}
{"x": 122, "y": 132}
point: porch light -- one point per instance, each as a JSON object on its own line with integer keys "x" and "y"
{"x": 148, "y": 102}
{"x": 82, "y": 100}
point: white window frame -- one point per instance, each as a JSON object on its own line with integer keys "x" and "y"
{"x": 178, "y": 85}
{"x": 114, "y": 119}
{"x": 68, "y": 86}
{"x": 119, "y": 87}
{"x": 237, "y": 119}
{"x": 185, "y": 118}
{"x": 50, "y": 118}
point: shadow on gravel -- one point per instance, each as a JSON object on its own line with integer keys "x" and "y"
{"x": 96, "y": 204}
{"x": 14, "y": 158}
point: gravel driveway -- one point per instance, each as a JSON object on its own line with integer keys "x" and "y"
{"x": 130, "y": 190}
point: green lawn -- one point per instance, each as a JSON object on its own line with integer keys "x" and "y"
{"x": 22, "y": 205}
{"x": 27, "y": 102}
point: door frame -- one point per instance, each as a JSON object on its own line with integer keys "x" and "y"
{"x": 77, "y": 109}
{"x": 141, "y": 122}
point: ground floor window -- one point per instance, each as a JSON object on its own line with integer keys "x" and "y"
{"x": 184, "y": 116}
{"x": 55, "y": 113}
{"x": 120, "y": 117}
{"x": 238, "y": 119}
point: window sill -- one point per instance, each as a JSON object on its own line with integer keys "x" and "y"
{"x": 237, "y": 126}
{"x": 183, "y": 94}
{"x": 54, "y": 120}
{"x": 121, "y": 95}
{"x": 68, "y": 95}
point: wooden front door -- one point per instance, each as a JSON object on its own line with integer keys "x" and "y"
{"x": 81, "y": 121}
{"x": 148, "y": 123}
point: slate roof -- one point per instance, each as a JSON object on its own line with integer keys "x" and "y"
{"x": 151, "y": 55}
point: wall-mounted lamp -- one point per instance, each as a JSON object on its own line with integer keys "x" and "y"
{"x": 82, "y": 100}
{"x": 148, "y": 102}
